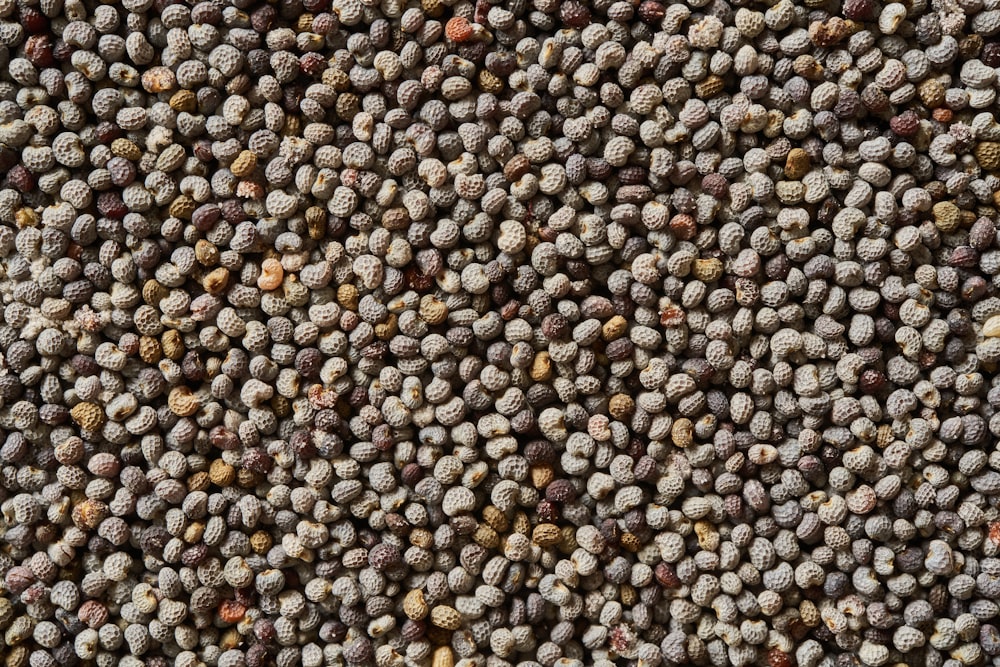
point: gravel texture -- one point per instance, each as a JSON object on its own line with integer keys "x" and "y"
{"x": 534, "y": 333}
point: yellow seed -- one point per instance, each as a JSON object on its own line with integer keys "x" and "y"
{"x": 149, "y": 349}
{"x": 541, "y": 367}
{"x": 184, "y": 100}
{"x": 621, "y": 406}
{"x": 347, "y": 297}
{"x": 797, "y": 164}
{"x": 946, "y": 216}
{"x": 707, "y": 270}
{"x": 173, "y": 344}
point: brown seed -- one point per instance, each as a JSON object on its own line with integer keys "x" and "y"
{"x": 516, "y": 167}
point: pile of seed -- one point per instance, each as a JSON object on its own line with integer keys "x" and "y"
{"x": 547, "y": 333}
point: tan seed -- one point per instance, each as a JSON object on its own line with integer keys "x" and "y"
{"x": 443, "y": 657}
{"x": 89, "y": 416}
{"x": 797, "y": 164}
{"x": 546, "y": 535}
{"x": 414, "y": 605}
{"x": 446, "y": 617}
{"x": 244, "y": 164}
{"x": 183, "y": 402}
{"x": 988, "y": 154}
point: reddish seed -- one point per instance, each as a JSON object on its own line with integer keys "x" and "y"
{"x": 482, "y": 10}
{"x": 20, "y": 178}
{"x": 32, "y": 20}
{"x": 110, "y": 205}
{"x": 231, "y": 611}
{"x": 651, "y": 12}
{"x": 108, "y": 132}
{"x": 683, "y": 226}
{"x": 672, "y": 316}
{"x": 778, "y": 658}
{"x": 871, "y": 380}
{"x": 38, "y": 50}
{"x": 312, "y": 64}
{"x": 859, "y": 10}
{"x": 575, "y": 14}
{"x": 905, "y": 124}
{"x": 942, "y": 115}
{"x": 458, "y": 29}
{"x": 995, "y": 532}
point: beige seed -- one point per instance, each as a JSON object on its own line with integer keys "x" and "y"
{"x": 991, "y": 328}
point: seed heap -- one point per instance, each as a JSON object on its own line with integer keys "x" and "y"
{"x": 516, "y": 332}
